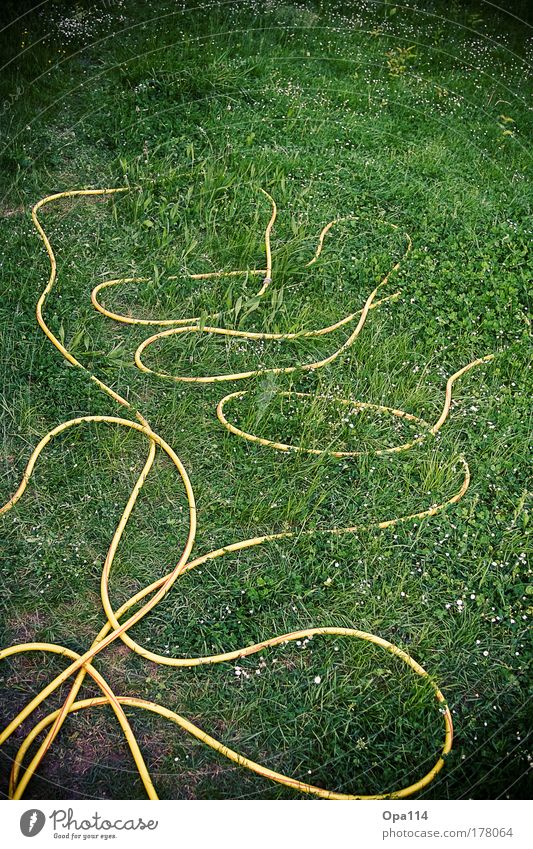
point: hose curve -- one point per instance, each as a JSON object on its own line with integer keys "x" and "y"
{"x": 120, "y": 621}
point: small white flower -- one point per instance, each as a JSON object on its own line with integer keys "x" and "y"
{"x": 317, "y": 679}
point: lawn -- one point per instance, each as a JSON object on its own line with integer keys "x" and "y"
{"x": 413, "y": 114}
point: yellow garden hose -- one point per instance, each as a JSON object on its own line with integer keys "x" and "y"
{"x": 117, "y": 624}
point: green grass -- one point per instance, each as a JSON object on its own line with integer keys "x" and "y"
{"x": 412, "y": 114}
